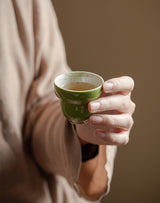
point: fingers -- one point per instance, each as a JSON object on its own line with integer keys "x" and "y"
{"x": 112, "y": 138}
{"x": 124, "y": 85}
{"x": 112, "y": 129}
{"x": 113, "y": 122}
{"x": 112, "y": 134}
{"x": 120, "y": 103}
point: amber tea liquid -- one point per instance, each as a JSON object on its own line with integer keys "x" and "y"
{"x": 79, "y": 86}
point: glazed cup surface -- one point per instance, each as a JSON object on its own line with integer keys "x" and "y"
{"x": 74, "y": 103}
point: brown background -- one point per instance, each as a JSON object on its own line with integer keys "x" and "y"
{"x": 114, "y": 38}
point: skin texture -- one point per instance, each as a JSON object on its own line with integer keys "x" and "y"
{"x": 110, "y": 124}
{"x": 112, "y": 120}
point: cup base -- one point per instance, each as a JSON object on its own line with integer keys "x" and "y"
{"x": 77, "y": 121}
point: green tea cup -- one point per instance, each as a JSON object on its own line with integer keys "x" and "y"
{"x": 76, "y": 89}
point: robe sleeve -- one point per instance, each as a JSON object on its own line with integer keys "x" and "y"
{"x": 55, "y": 145}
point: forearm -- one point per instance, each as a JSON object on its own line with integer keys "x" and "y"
{"x": 93, "y": 178}
{"x": 96, "y": 173}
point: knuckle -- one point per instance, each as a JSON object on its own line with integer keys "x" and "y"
{"x": 113, "y": 140}
{"x": 104, "y": 121}
{"x": 131, "y": 82}
{"x": 112, "y": 121}
{"x": 102, "y": 104}
{"x": 116, "y": 83}
{"x": 122, "y": 139}
{"x": 125, "y": 140}
{"x": 133, "y": 106}
{"x": 130, "y": 79}
{"x": 109, "y": 121}
{"x": 125, "y": 104}
{"x": 105, "y": 104}
{"x": 130, "y": 122}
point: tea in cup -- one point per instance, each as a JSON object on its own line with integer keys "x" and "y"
{"x": 76, "y": 89}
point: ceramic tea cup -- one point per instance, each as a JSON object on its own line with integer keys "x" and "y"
{"x": 76, "y": 89}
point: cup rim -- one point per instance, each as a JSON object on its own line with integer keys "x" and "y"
{"x": 79, "y": 91}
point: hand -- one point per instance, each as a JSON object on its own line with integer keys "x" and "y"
{"x": 112, "y": 120}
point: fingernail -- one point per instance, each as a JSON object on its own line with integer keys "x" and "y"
{"x": 96, "y": 119}
{"x": 108, "y": 86}
{"x": 95, "y": 106}
{"x": 100, "y": 134}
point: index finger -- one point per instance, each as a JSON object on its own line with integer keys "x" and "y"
{"x": 124, "y": 85}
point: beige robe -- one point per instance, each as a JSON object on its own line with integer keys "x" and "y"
{"x": 40, "y": 154}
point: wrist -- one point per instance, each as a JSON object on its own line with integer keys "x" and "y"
{"x": 82, "y": 142}
{"x": 89, "y": 151}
